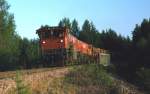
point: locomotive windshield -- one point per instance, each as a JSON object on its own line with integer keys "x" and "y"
{"x": 52, "y": 34}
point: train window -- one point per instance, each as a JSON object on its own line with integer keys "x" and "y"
{"x": 45, "y": 35}
{"x": 58, "y": 34}
{"x": 51, "y": 34}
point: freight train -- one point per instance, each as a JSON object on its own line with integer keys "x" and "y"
{"x": 59, "y": 47}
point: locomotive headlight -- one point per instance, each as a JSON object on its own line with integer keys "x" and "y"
{"x": 43, "y": 42}
{"x": 61, "y": 41}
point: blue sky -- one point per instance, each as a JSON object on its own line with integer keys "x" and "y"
{"x": 120, "y": 15}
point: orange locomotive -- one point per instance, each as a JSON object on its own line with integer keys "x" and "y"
{"x": 58, "y": 46}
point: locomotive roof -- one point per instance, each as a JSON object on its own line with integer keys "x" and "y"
{"x": 48, "y": 28}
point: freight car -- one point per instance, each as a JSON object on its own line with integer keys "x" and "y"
{"x": 58, "y": 47}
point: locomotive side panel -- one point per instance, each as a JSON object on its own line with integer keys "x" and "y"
{"x": 78, "y": 45}
{"x": 81, "y": 51}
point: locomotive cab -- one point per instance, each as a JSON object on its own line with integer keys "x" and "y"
{"x": 51, "y": 38}
{"x": 52, "y": 44}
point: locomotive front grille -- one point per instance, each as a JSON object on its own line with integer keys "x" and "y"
{"x": 55, "y": 51}
{"x": 54, "y": 56}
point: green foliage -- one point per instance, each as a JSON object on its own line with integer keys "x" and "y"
{"x": 90, "y": 34}
{"x": 8, "y": 38}
{"x": 89, "y": 79}
{"x": 89, "y": 75}
{"x": 143, "y": 78}
{"x": 111, "y": 69}
{"x": 14, "y": 51}
{"x": 120, "y": 47}
{"x": 84, "y": 34}
{"x": 65, "y": 22}
{"x": 136, "y": 69}
{"x": 75, "y": 28}
{"x": 21, "y": 88}
{"x": 70, "y": 50}
{"x": 29, "y": 53}
{"x": 142, "y": 31}
{"x": 60, "y": 24}
{"x": 141, "y": 43}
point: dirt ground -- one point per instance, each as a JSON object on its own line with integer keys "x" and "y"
{"x": 35, "y": 81}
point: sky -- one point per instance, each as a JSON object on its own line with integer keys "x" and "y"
{"x": 119, "y": 15}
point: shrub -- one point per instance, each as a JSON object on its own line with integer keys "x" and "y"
{"x": 143, "y": 78}
{"x": 93, "y": 74}
{"x": 89, "y": 79}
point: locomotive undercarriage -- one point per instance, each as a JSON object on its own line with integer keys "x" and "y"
{"x": 61, "y": 57}
{"x": 54, "y": 57}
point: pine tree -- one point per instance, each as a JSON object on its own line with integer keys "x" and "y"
{"x": 85, "y": 32}
{"x": 75, "y": 28}
{"x": 65, "y": 22}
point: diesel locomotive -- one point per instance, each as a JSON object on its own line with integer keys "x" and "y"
{"x": 59, "y": 47}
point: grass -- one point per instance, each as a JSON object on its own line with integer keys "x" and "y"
{"x": 89, "y": 79}
{"x": 12, "y": 74}
{"x": 81, "y": 79}
{"x": 21, "y": 88}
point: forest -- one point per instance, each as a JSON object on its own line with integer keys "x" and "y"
{"x": 129, "y": 55}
